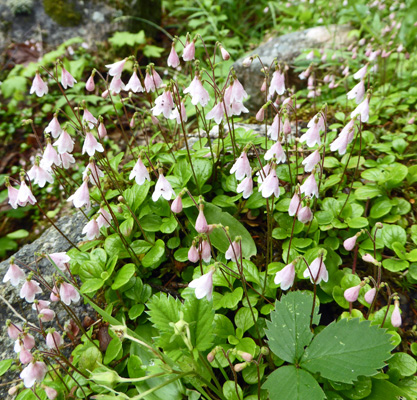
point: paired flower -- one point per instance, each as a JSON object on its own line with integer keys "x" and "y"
{"x": 82, "y": 196}
{"x": 270, "y": 185}
{"x": 14, "y": 274}
{"x": 317, "y": 271}
{"x": 245, "y": 187}
{"x": 34, "y": 372}
{"x": 38, "y": 86}
{"x": 197, "y": 92}
{"x": 234, "y": 251}
{"x": 241, "y": 168}
{"x": 29, "y": 290}
{"x": 162, "y": 188}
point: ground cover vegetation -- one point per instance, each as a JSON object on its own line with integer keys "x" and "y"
{"x": 222, "y": 263}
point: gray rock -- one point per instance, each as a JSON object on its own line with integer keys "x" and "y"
{"x": 50, "y": 241}
{"x": 285, "y": 49}
{"x": 52, "y": 22}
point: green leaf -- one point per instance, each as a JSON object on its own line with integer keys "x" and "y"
{"x": 244, "y": 319}
{"x": 230, "y": 299}
{"x": 13, "y": 86}
{"x": 4, "y": 366}
{"x": 393, "y": 233}
{"x": 223, "y": 327}
{"x": 291, "y": 383}
{"x": 200, "y": 315}
{"x": 136, "y": 311}
{"x": 367, "y": 192}
{"x": 154, "y": 257}
{"x": 289, "y": 329}
{"x": 163, "y": 309}
{"x": 384, "y": 390}
{"x": 152, "y": 51}
{"x": 393, "y": 265}
{"x": 123, "y": 276}
{"x": 92, "y": 285}
{"x": 120, "y": 39}
{"x": 215, "y": 215}
{"x": 380, "y": 208}
{"x": 357, "y": 223}
{"x": 19, "y": 234}
{"x": 136, "y": 194}
{"x": 361, "y": 389}
{"x": 346, "y": 349}
{"x": 403, "y": 363}
{"x": 203, "y": 169}
{"x": 113, "y": 349}
{"x": 229, "y": 391}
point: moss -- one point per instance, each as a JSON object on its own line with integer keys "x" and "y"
{"x": 63, "y": 12}
{"x": 20, "y": 7}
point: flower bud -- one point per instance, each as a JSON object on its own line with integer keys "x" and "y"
{"x": 108, "y": 378}
{"x": 246, "y": 356}
{"x": 241, "y": 366}
{"x": 368, "y": 258}
{"x": 352, "y": 293}
{"x": 264, "y": 351}
{"x": 370, "y": 295}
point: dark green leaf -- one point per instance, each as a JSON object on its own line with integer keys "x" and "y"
{"x": 346, "y": 349}
{"x": 289, "y": 329}
{"x": 291, "y": 383}
{"x": 154, "y": 257}
{"x": 123, "y": 276}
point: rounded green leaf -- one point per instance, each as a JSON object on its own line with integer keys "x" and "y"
{"x": 154, "y": 257}
{"x": 403, "y": 363}
{"x": 380, "y": 208}
{"x": 393, "y": 233}
{"x": 123, "y": 276}
{"x": 92, "y": 285}
{"x": 393, "y": 265}
{"x": 357, "y": 223}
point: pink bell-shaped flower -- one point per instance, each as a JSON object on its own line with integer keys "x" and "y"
{"x": 396, "y": 320}
{"x": 270, "y": 185}
{"x": 193, "y": 255}
{"x": 176, "y": 115}
{"x": 82, "y": 196}
{"x": 149, "y": 83}
{"x": 204, "y": 250}
{"x": 25, "y": 195}
{"x": 116, "y": 84}
{"x": 317, "y": 271}
{"x": 104, "y": 218}
{"x": 311, "y": 161}
{"x": 67, "y": 80}
{"x": 102, "y": 131}
{"x": 90, "y": 85}
{"x": 276, "y": 128}
{"x": 309, "y": 187}
{"x": 54, "y": 340}
{"x": 91, "y": 145}
{"x": 162, "y": 188}
{"x": 176, "y": 206}
{"x": 352, "y": 293}
{"x": 29, "y": 290}
{"x": 12, "y": 194}
{"x": 225, "y": 54}
{"x": 216, "y": 113}
{"x": 54, "y": 128}
{"x": 197, "y": 92}
{"x": 203, "y": 285}
{"x": 188, "y": 53}
{"x": 51, "y": 393}
{"x": 116, "y": 68}
{"x": 34, "y": 372}
{"x": 241, "y": 168}
{"x": 285, "y": 277}
{"x": 13, "y": 330}
{"x": 238, "y": 93}
{"x": 305, "y": 215}
{"x": 46, "y": 315}
{"x": 370, "y": 295}
{"x": 39, "y": 176}
{"x": 50, "y": 157}
{"x": 358, "y": 92}
{"x": 140, "y": 173}
{"x": 368, "y": 258}
{"x": 360, "y": 74}
{"x": 233, "y": 252}
{"x": 91, "y": 120}
{"x": 260, "y": 115}
{"x": 344, "y": 139}
{"x": 95, "y": 172}
{"x": 276, "y": 151}
{"x": 68, "y": 293}
{"x": 245, "y": 187}
{"x": 201, "y": 225}
{"x": 14, "y": 274}
{"x": 134, "y": 83}
{"x": 173, "y": 59}
{"x": 163, "y": 104}
{"x": 67, "y": 160}
{"x": 25, "y": 356}
{"x": 91, "y": 230}
{"x": 294, "y": 205}
{"x": 349, "y": 243}
{"x": 64, "y": 144}
{"x": 312, "y": 136}
{"x": 362, "y": 110}
{"x": 38, "y": 86}
{"x": 277, "y": 84}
